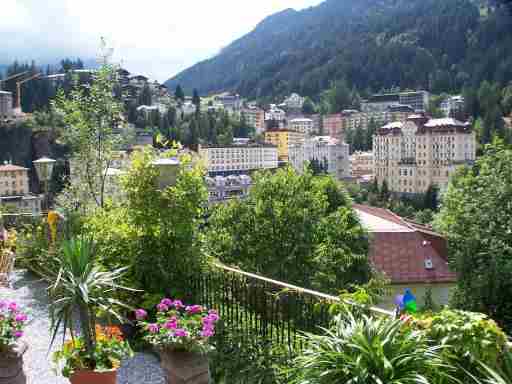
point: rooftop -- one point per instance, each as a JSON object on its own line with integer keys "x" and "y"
{"x": 405, "y": 251}
{"x": 394, "y": 124}
{"x": 444, "y": 122}
{"x": 10, "y": 168}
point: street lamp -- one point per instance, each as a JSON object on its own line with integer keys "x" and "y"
{"x": 167, "y": 172}
{"x": 44, "y": 168}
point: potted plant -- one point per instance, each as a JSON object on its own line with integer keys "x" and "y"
{"x": 82, "y": 289}
{"x": 181, "y": 336}
{"x": 12, "y": 322}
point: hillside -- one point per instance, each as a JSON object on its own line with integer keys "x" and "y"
{"x": 374, "y": 44}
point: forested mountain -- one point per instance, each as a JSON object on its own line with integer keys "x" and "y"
{"x": 439, "y": 45}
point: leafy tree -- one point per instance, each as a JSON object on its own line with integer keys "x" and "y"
{"x": 475, "y": 217}
{"x": 164, "y": 224}
{"x": 179, "y": 94}
{"x": 384, "y": 191}
{"x": 370, "y": 132}
{"x": 430, "y": 198}
{"x": 296, "y": 228}
{"x": 425, "y": 216}
{"x": 90, "y": 117}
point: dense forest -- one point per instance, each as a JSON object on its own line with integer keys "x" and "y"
{"x": 439, "y": 45}
{"x": 38, "y": 93}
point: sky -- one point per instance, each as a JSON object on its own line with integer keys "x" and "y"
{"x": 157, "y": 38}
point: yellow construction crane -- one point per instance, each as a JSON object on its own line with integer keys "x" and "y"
{"x": 12, "y": 77}
{"x": 18, "y": 89}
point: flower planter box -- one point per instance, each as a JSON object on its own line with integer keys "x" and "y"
{"x": 185, "y": 367}
{"x": 91, "y": 377}
{"x": 11, "y": 365}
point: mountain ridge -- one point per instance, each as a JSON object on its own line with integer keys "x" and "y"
{"x": 373, "y": 44}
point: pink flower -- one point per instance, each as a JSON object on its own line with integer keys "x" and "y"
{"x": 13, "y": 307}
{"x": 213, "y": 317}
{"x": 20, "y": 318}
{"x": 194, "y": 309}
{"x": 162, "y": 307}
{"x": 3, "y": 304}
{"x": 18, "y": 334}
{"x": 180, "y": 333}
{"x": 167, "y": 302}
{"x": 172, "y": 324}
{"x": 207, "y": 332}
{"x": 153, "y": 328}
{"x": 177, "y": 304}
{"x": 140, "y": 314}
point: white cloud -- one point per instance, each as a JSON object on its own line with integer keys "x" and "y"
{"x": 155, "y": 37}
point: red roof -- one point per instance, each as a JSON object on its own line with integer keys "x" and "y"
{"x": 405, "y": 251}
{"x": 10, "y": 167}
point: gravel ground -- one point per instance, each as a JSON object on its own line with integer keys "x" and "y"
{"x": 30, "y": 294}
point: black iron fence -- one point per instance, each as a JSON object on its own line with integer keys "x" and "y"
{"x": 262, "y": 320}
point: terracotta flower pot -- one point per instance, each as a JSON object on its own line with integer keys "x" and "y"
{"x": 11, "y": 365}
{"x": 185, "y": 367}
{"x": 91, "y": 377}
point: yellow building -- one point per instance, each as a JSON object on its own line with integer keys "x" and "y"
{"x": 283, "y": 138}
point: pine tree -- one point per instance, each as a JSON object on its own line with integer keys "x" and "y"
{"x": 430, "y": 198}
{"x": 384, "y": 191}
{"x": 179, "y": 94}
{"x": 196, "y": 100}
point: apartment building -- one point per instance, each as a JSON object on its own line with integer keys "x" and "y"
{"x": 353, "y": 119}
{"x": 333, "y": 125}
{"x": 224, "y": 188}
{"x": 225, "y": 160}
{"x": 275, "y": 113}
{"x": 418, "y": 100}
{"x": 5, "y": 105}
{"x": 417, "y": 153}
{"x": 13, "y": 180}
{"x": 15, "y": 191}
{"x": 283, "y": 139}
{"x": 452, "y": 105}
{"x": 255, "y": 117}
{"x": 230, "y": 102}
{"x": 328, "y": 151}
{"x": 361, "y": 166}
{"x": 302, "y": 125}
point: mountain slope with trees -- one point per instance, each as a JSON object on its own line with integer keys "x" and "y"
{"x": 372, "y": 44}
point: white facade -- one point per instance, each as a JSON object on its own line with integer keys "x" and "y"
{"x": 325, "y": 150}
{"x": 418, "y": 100}
{"x": 418, "y": 153}
{"x": 187, "y": 108}
{"x": 224, "y": 188}
{"x": 452, "y": 104}
{"x": 275, "y": 113}
{"x": 6, "y": 111}
{"x": 294, "y": 101}
{"x": 235, "y": 159}
{"x": 301, "y": 125}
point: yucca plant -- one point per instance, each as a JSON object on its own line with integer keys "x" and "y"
{"x": 80, "y": 290}
{"x": 497, "y": 375}
{"x": 369, "y": 350}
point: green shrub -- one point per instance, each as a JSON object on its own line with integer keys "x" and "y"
{"x": 466, "y": 337}
{"x": 369, "y": 350}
